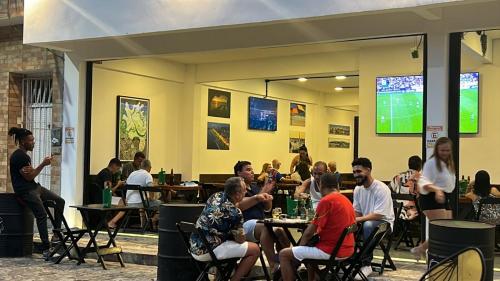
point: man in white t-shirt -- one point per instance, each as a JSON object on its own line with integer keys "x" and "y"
{"x": 311, "y": 186}
{"x": 372, "y": 203}
{"x": 140, "y": 177}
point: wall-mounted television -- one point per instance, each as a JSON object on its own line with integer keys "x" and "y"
{"x": 262, "y": 114}
{"x": 400, "y": 104}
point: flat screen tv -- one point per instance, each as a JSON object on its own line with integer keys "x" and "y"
{"x": 262, "y": 114}
{"x": 400, "y": 101}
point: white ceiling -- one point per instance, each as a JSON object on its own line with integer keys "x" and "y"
{"x": 326, "y": 85}
{"x": 283, "y": 51}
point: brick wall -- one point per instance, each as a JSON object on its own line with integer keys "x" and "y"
{"x": 16, "y": 61}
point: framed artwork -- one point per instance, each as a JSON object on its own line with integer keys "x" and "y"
{"x": 297, "y": 114}
{"x": 338, "y": 143}
{"x": 340, "y": 130}
{"x": 219, "y": 103}
{"x": 262, "y": 114}
{"x": 218, "y": 136}
{"x": 132, "y": 127}
{"x": 297, "y": 139}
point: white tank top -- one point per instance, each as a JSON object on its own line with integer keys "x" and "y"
{"x": 315, "y": 194}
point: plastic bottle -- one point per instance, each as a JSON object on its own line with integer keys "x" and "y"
{"x": 171, "y": 176}
{"x": 161, "y": 177}
{"x": 106, "y": 196}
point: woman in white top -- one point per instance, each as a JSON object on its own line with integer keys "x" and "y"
{"x": 436, "y": 185}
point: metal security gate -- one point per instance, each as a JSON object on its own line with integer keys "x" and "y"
{"x": 37, "y": 117}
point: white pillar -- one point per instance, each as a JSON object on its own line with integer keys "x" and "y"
{"x": 72, "y": 148}
{"x": 437, "y": 88}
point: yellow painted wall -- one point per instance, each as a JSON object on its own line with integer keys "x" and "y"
{"x": 389, "y": 154}
{"x": 142, "y": 79}
{"x": 481, "y": 151}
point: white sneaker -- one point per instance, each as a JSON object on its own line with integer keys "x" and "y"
{"x": 366, "y": 270}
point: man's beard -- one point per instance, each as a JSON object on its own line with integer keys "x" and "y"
{"x": 361, "y": 180}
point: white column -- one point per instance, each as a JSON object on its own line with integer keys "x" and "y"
{"x": 437, "y": 87}
{"x": 72, "y": 148}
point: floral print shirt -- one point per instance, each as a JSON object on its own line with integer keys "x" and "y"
{"x": 217, "y": 222}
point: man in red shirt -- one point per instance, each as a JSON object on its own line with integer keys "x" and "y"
{"x": 333, "y": 214}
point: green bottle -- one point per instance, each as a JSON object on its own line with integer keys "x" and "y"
{"x": 106, "y": 196}
{"x": 161, "y": 177}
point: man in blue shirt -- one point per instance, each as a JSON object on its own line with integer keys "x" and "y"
{"x": 257, "y": 201}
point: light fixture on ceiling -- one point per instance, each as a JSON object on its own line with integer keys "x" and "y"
{"x": 302, "y": 79}
{"x": 340, "y": 77}
{"x": 415, "y": 50}
{"x": 338, "y": 89}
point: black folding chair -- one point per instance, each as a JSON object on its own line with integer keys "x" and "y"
{"x": 356, "y": 261}
{"x": 224, "y": 267}
{"x": 65, "y": 235}
{"x": 149, "y": 211}
{"x": 402, "y": 227}
{"x": 385, "y": 246}
{"x": 334, "y": 264}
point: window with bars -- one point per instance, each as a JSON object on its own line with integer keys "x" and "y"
{"x": 37, "y": 117}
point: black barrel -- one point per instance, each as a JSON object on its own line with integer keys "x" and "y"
{"x": 16, "y": 227}
{"x": 447, "y": 237}
{"x": 174, "y": 261}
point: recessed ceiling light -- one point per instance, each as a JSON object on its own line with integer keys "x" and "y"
{"x": 340, "y": 77}
{"x": 302, "y": 79}
{"x": 338, "y": 89}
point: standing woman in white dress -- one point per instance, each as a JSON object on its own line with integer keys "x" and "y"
{"x": 435, "y": 186}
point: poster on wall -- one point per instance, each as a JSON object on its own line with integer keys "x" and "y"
{"x": 219, "y": 103}
{"x": 340, "y": 130}
{"x": 132, "y": 127}
{"x": 297, "y": 114}
{"x": 218, "y": 136}
{"x": 297, "y": 139}
{"x": 338, "y": 143}
{"x": 262, "y": 114}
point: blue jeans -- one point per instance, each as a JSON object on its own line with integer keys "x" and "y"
{"x": 368, "y": 227}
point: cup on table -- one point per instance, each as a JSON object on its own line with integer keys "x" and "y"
{"x": 276, "y": 213}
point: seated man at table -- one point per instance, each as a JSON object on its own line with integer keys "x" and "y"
{"x": 372, "y": 202}
{"x": 224, "y": 232}
{"x": 105, "y": 177}
{"x": 143, "y": 178}
{"x": 333, "y": 215}
{"x": 311, "y": 186}
{"x": 135, "y": 165}
{"x": 257, "y": 201}
{"x": 332, "y": 168}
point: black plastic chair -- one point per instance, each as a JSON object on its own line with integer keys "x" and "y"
{"x": 467, "y": 263}
{"x": 224, "y": 267}
{"x": 403, "y": 227}
{"x": 65, "y": 235}
{"x": 149, "y": 211}
{"x": 333, "y": 265}
{"x": 356, "y": 261}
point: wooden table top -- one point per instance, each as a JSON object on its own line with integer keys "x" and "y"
{"x": 177, "y": 187}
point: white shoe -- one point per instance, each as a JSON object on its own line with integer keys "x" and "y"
{"x": 366, "y": 270}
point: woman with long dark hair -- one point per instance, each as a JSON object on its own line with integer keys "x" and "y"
{"x": 436, "y": 185}
{"x": 481, "y": 188}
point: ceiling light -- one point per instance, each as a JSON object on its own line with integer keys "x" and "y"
{"x": 340, "y": 77}
{"x": 302, "y": 79}
{"x": 338, "y": 89}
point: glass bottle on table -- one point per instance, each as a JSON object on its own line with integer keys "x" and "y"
{"x": 161, "y": 177}
{"x": 107, "y": 194}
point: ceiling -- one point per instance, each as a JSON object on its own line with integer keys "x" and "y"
{"x": 284, "y": 51}
{"x": 326, "y": 85}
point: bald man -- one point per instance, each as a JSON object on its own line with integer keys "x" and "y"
{"x": 332, "y": 167}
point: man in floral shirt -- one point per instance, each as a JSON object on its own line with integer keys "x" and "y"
{"x": 221, "y": 222}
